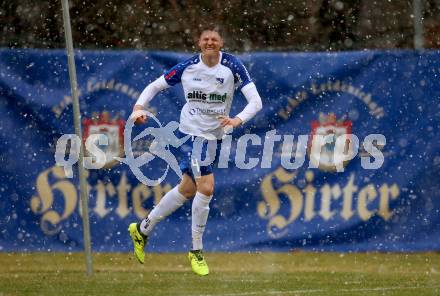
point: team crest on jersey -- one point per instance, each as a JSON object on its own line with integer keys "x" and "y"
{"x": 113, "y": 128}
{"x": 328, "y": 125}
{"x": 220, "y": 80}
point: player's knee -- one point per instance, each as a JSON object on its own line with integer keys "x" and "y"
{"x": 188, "y": 191}
{"x": 206, "y": 188}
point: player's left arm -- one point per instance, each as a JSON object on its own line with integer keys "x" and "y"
{"x": 254, "y": 102}
{"x": 249, "y": 91}
{"x": 253, "y": 106}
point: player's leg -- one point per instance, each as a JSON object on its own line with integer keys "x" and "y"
{"x": 187, "y": 186}
{"x": 200, "y": 212}
{"x": 200, "y": 208}
{"x": 169, "y": 203}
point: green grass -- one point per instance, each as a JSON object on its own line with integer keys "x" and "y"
{"x": 236, "y": 274}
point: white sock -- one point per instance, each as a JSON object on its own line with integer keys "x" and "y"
{"x": 171, "y": 201}
{"x": 200, "y": 211}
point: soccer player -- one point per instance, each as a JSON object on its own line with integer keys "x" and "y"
{"x": 209, "y": 80}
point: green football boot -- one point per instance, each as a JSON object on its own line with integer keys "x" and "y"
{"x": 198, "y": 263}
{"x": 139, "y": 242}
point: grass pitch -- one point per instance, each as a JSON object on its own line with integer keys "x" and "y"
{"x": 236, "y": 274}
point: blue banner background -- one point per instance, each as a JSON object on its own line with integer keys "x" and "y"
{"x": 394, "y": 208}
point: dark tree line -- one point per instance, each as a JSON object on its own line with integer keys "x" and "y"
{"x": 307, "y": 25}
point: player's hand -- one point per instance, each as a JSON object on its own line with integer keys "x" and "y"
{"x": 139, "y": 115}
{"x": 226, "y": 121}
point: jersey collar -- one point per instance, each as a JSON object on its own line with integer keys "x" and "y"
{"x": 216, "y": 65}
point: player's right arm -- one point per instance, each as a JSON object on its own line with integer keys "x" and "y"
{"x": 146, "y": 96}
{"x": 168, "y": 79}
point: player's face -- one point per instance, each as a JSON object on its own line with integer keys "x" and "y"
{"x": 210, "y": 43}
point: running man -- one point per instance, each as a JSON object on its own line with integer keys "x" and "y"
{"x": 209, "y": 80}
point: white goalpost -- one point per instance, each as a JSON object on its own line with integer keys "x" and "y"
{"x": 77, "y": 123}
{"x": 418, "y": 24}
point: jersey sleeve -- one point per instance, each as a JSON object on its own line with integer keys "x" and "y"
{"x": 174, "y": 75}
{"x": 241, "y": 74}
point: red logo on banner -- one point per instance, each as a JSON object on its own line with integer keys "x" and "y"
{"x": 113, "y": 128}
{"x": 328, "y": 125}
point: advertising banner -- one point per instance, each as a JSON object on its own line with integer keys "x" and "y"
{"x": 277, "y": 192}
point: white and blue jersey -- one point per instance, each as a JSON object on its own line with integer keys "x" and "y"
{"x": 208, "y": 92}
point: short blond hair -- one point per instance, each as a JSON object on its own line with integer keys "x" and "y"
{"x": 211, "y": 28}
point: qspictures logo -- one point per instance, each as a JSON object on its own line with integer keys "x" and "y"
{"x": 344, "y": 147}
